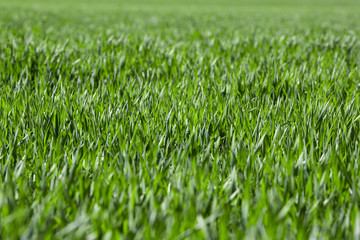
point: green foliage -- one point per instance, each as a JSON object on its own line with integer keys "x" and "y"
{"x": 137, "y": 122}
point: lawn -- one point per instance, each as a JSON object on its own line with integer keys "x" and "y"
{"x": 179, "y": 119}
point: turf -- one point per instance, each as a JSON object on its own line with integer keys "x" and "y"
{"x": 179, "y": 120}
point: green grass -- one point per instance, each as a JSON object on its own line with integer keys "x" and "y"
{"x": 179, "y": 120}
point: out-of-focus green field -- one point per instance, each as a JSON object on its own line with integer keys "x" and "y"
{"x": 179, "y": 119}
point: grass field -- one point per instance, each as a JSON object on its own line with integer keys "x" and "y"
{"x": 179, "y": 119}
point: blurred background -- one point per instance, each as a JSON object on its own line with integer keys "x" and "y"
{"x": 233, "y": 5}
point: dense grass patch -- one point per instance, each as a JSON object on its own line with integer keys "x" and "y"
{"x": 179, "y": 120}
